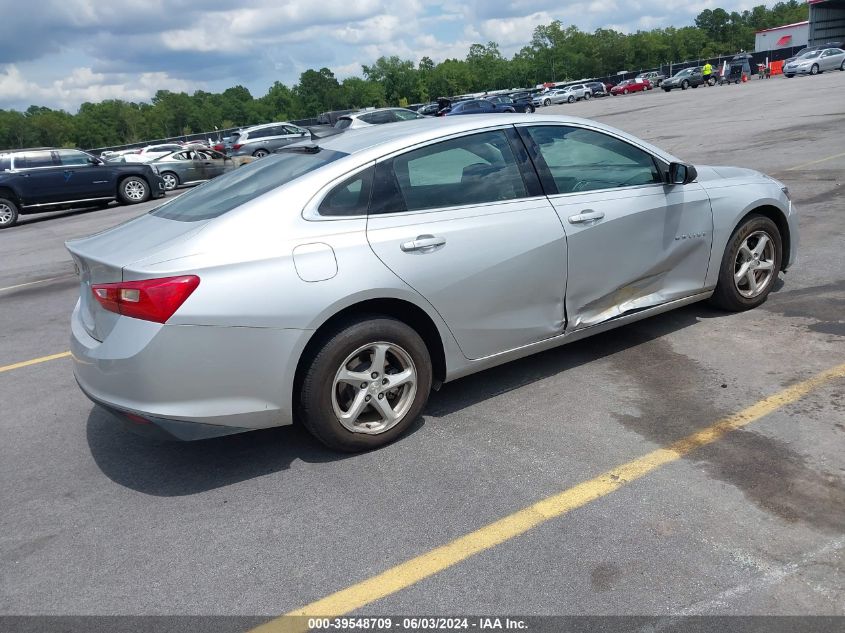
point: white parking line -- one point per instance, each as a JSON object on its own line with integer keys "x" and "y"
{"x": 32, "y": 283}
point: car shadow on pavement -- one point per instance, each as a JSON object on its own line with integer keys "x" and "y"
{"x": 171, "y": 469}
{"x": 510, "y": 376}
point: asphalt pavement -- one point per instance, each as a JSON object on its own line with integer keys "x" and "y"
{"x": 96, "y": 521}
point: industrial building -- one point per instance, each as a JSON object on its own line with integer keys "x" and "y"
{"x": 827, "y": 21}
{"x": 782, "y": 37}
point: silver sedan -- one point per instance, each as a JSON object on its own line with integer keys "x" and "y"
{"x": 191, "y": 166}
{"x": 816, "y": 62}
{"x": 337, "y": 283}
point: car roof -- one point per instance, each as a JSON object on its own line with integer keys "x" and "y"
{"x": 26, "y": 149}
{"x": 262, "y": 126}
{"x": 379, "y": 140}
{"x": 363, "y": 112}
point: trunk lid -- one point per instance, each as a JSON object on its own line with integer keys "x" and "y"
{"x": 101, "y": 258}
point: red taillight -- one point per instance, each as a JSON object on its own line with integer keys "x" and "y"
{"x": 237, "y": 146}
{"x": 150, "y": 299}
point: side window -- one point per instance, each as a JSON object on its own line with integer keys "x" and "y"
{"x": 401, "y": 115}
{"x": 35, "y": 159}
{"x": 351, "y": 197}
{"x": 5, "y": 163}
{"x": 259, "y": 133}
{"x": 585, "y": 160}
{"x": 472, "y": 169}
{"x": 72, "y": 157}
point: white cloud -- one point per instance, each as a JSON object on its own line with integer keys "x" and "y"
{"x": 85, "y": 85}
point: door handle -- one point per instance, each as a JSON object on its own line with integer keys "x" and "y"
{"x": 587, "y": 215}
{"x": 423, "y": 243}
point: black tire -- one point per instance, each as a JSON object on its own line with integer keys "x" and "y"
{"x": 547, "y": 102}
{"x": 529, "y": 109}
{"x": 260, "y": 153}
{"x": 814, "y": 69}
{"x": 684, "y": 84}
{"x": 726, "y": 295}
{"x": 133, "y": 190}
{"x": 171, "y": 180}
{"x": 788, "y": 76}
{"x": 8, "y": 213}
{"x": 842, "y": 66}
{"x": 695, "y": 86}
{"x": 625, "y": 91}
{"x": 667, "y": 90}
{"x": 571, "y": 99}
{"x": 317, "y": 393}
{"x": 588, "y": 96}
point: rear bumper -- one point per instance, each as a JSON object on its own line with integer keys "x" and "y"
{"x": 231, "y": 378}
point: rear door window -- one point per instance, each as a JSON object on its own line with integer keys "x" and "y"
{"x": 32, "y": 160}
{"x": 474, "y": 169}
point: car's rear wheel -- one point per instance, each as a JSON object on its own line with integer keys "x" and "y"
{"x": 8, "y": 213}
{"x": 750, "y": 265}
{"x": 133, "y": 190}
{"x": 260, "y": 153}
{"x": 788, "y": 76}
{"x": 814, "y": 70}
{"x": 625, "y": 91}
{"x": 366, "y": 384}
{"x": 171, "y": 180}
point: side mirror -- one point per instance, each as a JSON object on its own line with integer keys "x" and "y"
{"x": 95, "y": 161}
{"x": 681, "y": 174}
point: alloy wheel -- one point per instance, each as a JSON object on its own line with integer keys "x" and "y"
{"x": 134, "y": 190}
{"x": 754, "y": 268}
{"x": 6, "y": 214}
{"x": 374, "y": 388}
{"x": 170, "y": 181}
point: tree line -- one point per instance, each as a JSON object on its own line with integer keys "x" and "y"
{"x": 555, "y": 53}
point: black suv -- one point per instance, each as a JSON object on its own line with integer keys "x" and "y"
{"x": 45, "y": 179}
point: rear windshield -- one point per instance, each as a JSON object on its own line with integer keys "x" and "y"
{"x": 343, "y": 123}
{"x": 231, "y": 190}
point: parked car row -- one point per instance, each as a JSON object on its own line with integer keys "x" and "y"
{"x": 815, "y": 61}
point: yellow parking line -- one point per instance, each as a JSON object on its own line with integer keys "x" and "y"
{"x": 425, "y": 565}
{"x": 815, "y": 162}
{"x": 34, "y": 361}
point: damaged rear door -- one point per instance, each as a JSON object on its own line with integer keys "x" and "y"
{"x": 633, "y": 242}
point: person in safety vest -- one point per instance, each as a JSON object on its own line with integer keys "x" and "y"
{"x": 706, "y": 72}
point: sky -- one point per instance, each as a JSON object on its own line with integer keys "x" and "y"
{"x": 61, "y": 53}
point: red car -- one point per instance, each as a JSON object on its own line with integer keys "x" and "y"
{"x": 630, "y": 85}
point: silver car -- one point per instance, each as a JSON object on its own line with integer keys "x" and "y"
{"x": 336, "y": 284}
{"x": 379, "y": 116}
{"x": 191, "y": 166}
{"x": 815, "y": 62}
{"x": 261, "y": 140}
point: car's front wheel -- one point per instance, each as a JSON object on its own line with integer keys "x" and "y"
{"x": 366, "y": 384}
{"x": 171, "y": 180}
{"x": 571, "y": 99}
{"x": 547, "y": 102}
{"x": 684, "y": 84}
{"x": 8, "y": 213}
{"x": 814, "y": 70}
{"x": 667, "y": 90}
{"x": 750, "y": 265}
{"x": 588, "y": 96}
{"x": 133, "y": 190}
{"x": 529, "y": 109}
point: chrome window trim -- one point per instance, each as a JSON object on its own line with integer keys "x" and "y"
{"x": 75, "y": 201}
